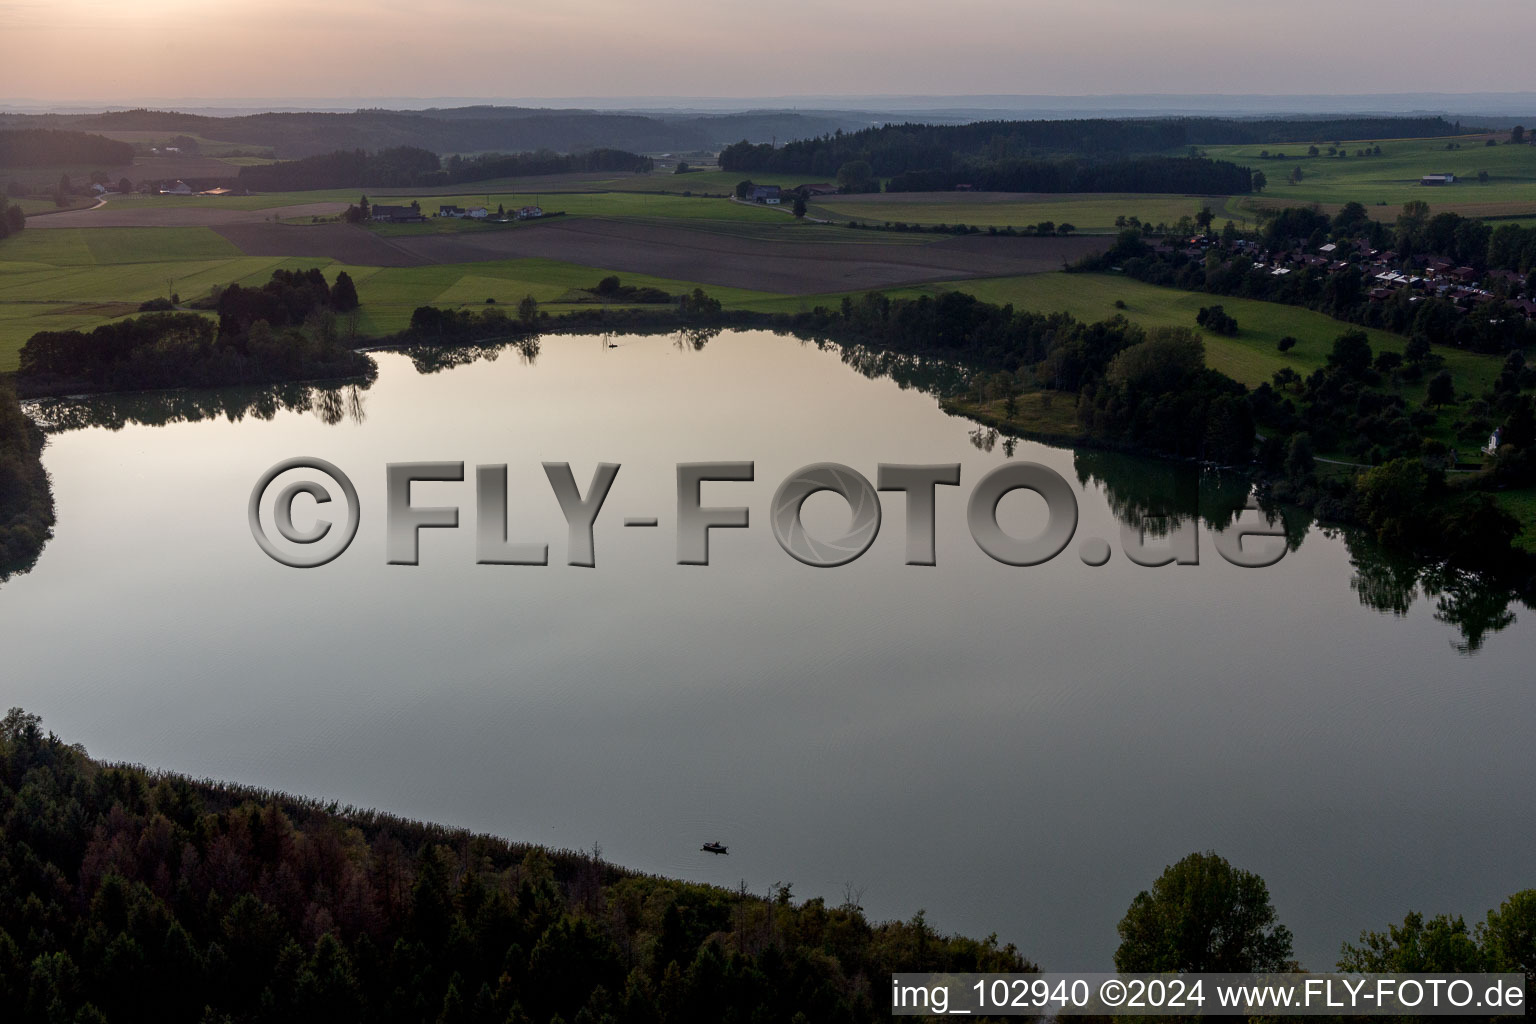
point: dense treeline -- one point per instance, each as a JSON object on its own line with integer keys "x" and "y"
{"x": 286, "y": 330}
{"x": 410, "y": 167}
{"x": 235, "y": 904}
{"x": 45, "y": 147}
{"x": 399, "y": 167}
{"x": 12, "y": 219}
{"x": 897, "y": 148}
{"x": 485, "y": 166}
{"x": 26, "y": 500}
{"x": 1178, "y": 175}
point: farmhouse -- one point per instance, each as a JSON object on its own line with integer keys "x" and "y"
{"x": 820, "y": 188}
{"x": 769, "y": 194}
{"x": 450, "y": 210}
{"x": 478, "y": 213}
{"x": 530, "y": 212}
{"x": 180, "y": 188}
{"x": 1444, "y": 178}
{"x": 395, "y": 214}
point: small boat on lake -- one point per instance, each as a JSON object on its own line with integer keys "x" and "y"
{"x": 714, "y": 848}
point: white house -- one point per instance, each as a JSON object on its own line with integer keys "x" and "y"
{"x": 477, "y": 213}
{"x": 530, "y": 212}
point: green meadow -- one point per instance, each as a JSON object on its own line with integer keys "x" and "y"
{"x": 1089, "y": 214}
{"x": 1250, "y": 357}
{"x": 1392, "y": 179}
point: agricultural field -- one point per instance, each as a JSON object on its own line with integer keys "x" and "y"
{"x": 621, "y": 205}
{"x": 1089, "y": 213}
{"x": 1384, "y": 183}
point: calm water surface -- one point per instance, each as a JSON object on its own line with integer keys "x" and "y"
{"x": 1015, "y": 750}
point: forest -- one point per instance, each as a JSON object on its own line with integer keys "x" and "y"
{"x": 247, "y": 905}
{"x": 44, "y": 147}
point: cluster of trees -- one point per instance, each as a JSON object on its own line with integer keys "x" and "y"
{"x": 49, "y": 147}
{"x": 288, "y": 298}
{"x": 1156, "y": 393}
{"x": 1203, "y": 914}
{"x": 252, "y": 906}
{"x": 26, "y": 500}
{"x": 1406, "y": 501}
{"x": 611, "y": 289}
{"x": 898, "y": 148}
{"x": 1138, "y": 174}
{"x": 1217, "y": 320}
{"x": 12, "y": 220}
{"x": 286, "y": 330}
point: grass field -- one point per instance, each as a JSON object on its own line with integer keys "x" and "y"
{"x": 1089, "y": 214}
{"x": 1384, "y": 183}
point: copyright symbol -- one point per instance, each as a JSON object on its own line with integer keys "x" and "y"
{"x": 1112, "y": 992}
{"x": 282, "y": 514}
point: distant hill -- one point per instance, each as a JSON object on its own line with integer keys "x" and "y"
{"x": 458, "y": 130}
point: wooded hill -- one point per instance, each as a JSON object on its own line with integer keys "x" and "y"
{"x": 897, "y": 148}
{"x": 128, "y": 895}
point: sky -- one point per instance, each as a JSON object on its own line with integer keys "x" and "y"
{"x": 94, "y": 50}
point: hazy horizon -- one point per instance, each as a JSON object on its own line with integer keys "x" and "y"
{"x": 938, "y": 106}
{"x": 601, "y": 48}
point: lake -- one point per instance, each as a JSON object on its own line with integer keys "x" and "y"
{"x": 1015, "y": 750}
